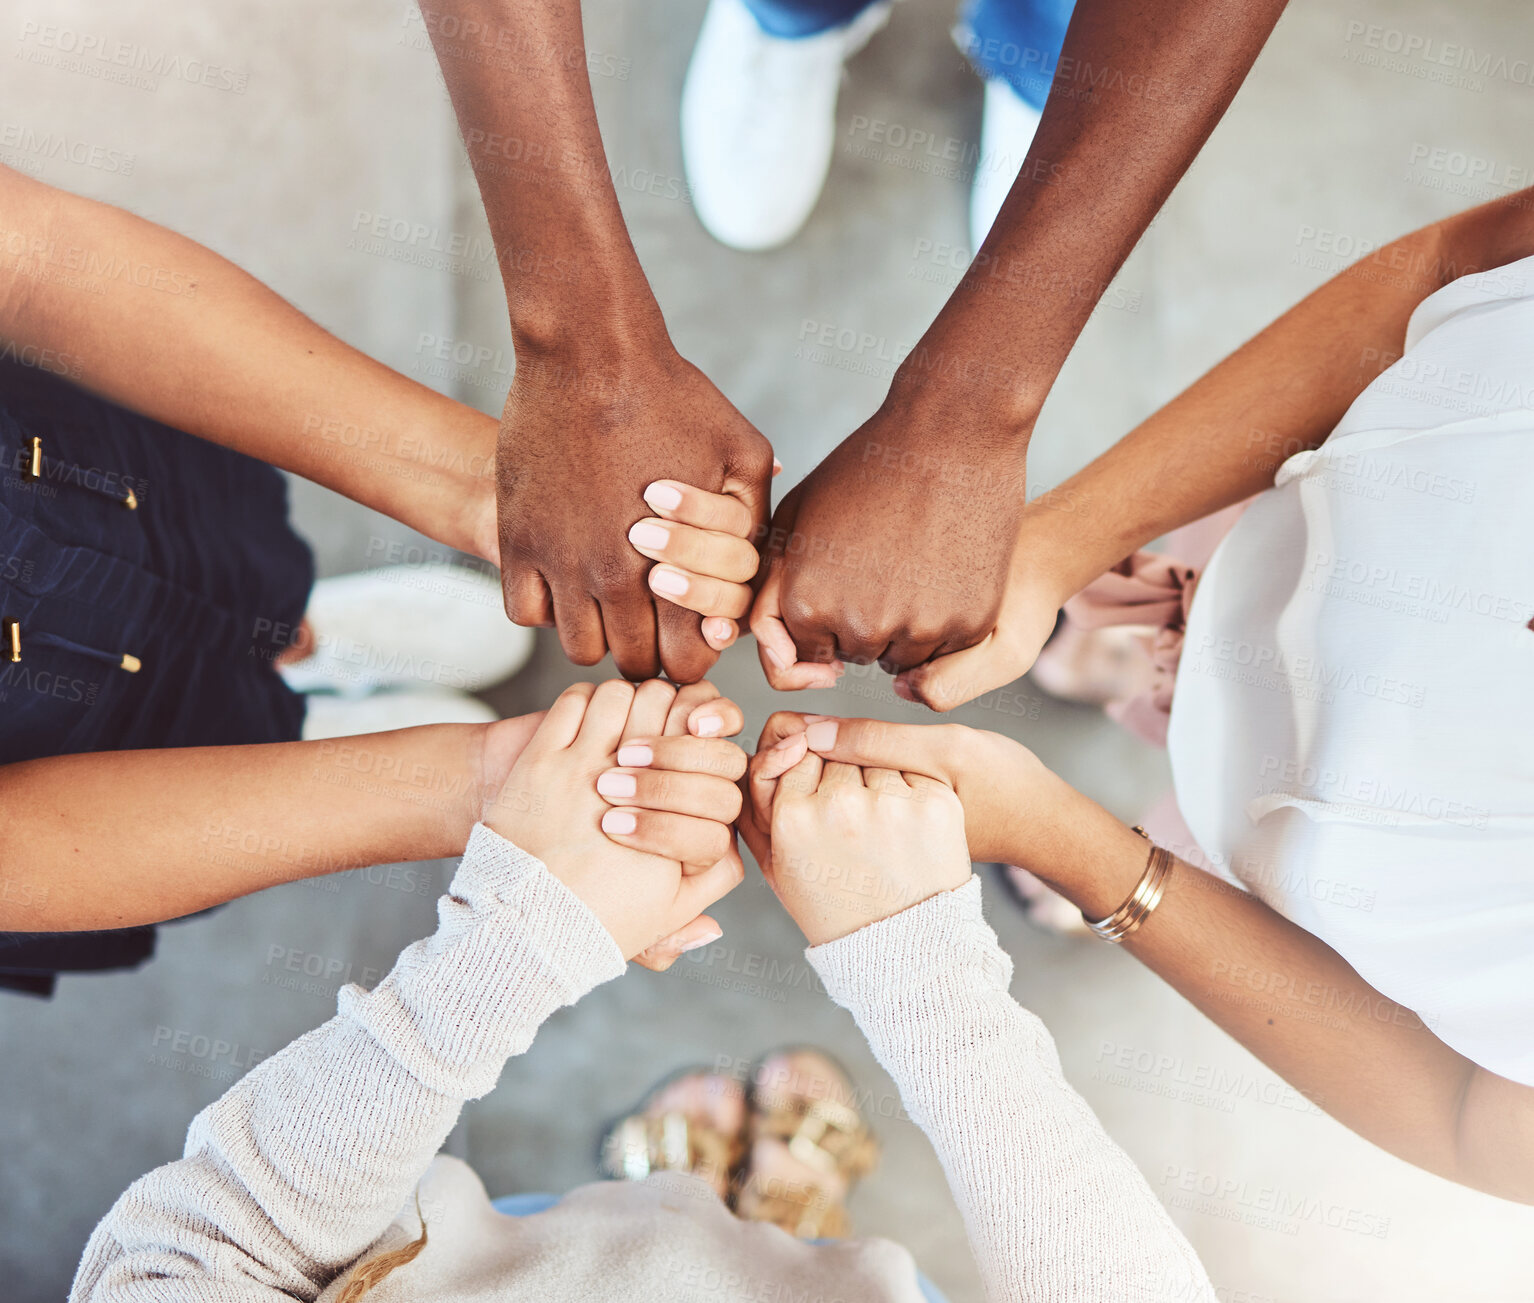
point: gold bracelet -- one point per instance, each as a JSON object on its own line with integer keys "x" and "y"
{"x": 1142, "y": 900}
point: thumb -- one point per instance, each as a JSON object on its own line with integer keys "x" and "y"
{"x": 948, "y": 681}
{"x": 874, "y": 743}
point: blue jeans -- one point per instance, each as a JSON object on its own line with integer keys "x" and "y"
{"x": 1017, "y": 41}
{"x": 525, "y": 1205}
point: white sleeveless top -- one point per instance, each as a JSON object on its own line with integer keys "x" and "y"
{"x": 1352, "y": 730}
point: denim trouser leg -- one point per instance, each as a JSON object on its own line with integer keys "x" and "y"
{"x": 1016, "y": 40}
{"x": 793, "y": 18}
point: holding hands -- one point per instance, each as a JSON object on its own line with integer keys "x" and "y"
{"x": 845, "y": 845}
{"x": 578, "y": 446}
{"x": 630, "y": 807}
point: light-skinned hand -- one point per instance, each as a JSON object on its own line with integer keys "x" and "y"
{"x": 1013, "y": 804}
{"x": 845, "y": 845}
{"x": 649, "y": 886}
{"x": 705, "y": 558}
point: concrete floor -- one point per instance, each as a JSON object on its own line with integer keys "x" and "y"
{"x": 340, "y": 112}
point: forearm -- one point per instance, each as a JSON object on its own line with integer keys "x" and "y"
{"x": 157, "y": 323}
{"x": 302, "y": 1165}
{"x": 1138, "y": 88}
{"x": 1297, "y": 1005}
{"x": 1224, "y": 438}
{"x": 119, "y": 838}
{"x": 1054, "y": 1208}
{"x": 517, "y": 76}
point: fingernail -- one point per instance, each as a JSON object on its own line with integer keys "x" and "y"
{"x": 636, "y": 755}
{"x": 646, "y": 533}
{"x": 720, "y": 630}
{"x": 673, "y": 583}
{"x": 663, "y": 496}
{"x": 903, "y": 690}
{"x": 619, "y": 821}
{"x": 821, "y": 736}
{"x": 777, "y": 466}
{"x": 708, "y": 725}
{"x": 613, "y": 783}
{"x": 699, "y": 942}
{"x": 773, "y": 656}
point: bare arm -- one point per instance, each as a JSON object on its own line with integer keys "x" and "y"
{"x": 120, "y": 838}
{"x": 157, "y": 323}
{"x": 1139, "y": 86}
{"x": 601, "y": 405}
{"x": 1223, "y": 438}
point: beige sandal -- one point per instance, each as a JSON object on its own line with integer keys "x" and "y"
{"x": 679, "y": 1128}
{"x": 809, "y": 1146}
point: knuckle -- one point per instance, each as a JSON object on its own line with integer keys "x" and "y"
{"x": 731, "y": 801}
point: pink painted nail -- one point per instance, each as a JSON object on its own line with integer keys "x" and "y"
{"x": 903, "y": 689}
{"x": 612, "y": 783}
{"x": 646, "y": 533}
{"x": 719, "y": 629}
{"x": 672, "y": 583}
{"x": 821, "y": 736}
{"x": 702, "y": 941}
{"x": 708, "y": 726}
{"x": 620, "y": 822}
{"x": 663, "y": 496}
{"x": 636, "y": 755}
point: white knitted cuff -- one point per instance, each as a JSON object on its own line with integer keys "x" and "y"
{"x": 943, "y": 939}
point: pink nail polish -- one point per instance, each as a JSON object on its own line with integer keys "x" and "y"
{"x": 636, "y": 755}
{"x": 663, "y": 496}
{"x": 646, "y": 533}
{"x": 615, "y": 784}
{"x": 708, "y": 726}
{"x": 620, "y": 822}
{"x": 672, "y": 583}
{"x": 702, "y": 941}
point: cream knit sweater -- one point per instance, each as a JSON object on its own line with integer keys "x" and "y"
{"x": 313, "y": 1160}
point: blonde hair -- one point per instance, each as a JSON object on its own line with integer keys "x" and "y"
{"x": 368, "y": 1274}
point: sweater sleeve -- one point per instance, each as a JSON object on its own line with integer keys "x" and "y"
{"x": 1055, "y": 1210}
{"x": 290, "y": 1176}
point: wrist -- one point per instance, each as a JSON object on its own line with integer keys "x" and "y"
{"x": 949, "y": 384}
{"x": 446, "y": 759}
{"x": 612, "y": 325}
{"x": 1052, "y": 561}
{"x": 1082, "y": 851}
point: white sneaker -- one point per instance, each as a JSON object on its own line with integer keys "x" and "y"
{"x": 437, "y": 626}
{"x": 327, "y": 716}
{"x": 1007, "y": 125}
{"x": 759, "y": 122}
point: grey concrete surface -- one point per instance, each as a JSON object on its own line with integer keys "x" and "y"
{"x": 334, "y": 111}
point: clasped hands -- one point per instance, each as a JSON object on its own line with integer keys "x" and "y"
{"x": 632, "y": 795}
{"x": 890, "y": 551}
